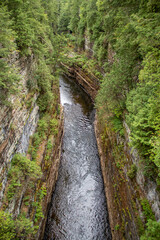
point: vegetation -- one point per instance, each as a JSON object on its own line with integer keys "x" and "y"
{"x": 152, "y": 232}
{"x": 132, "y": 172}
{"x": 8, "y": 75}
{"x": 22, "y": 169}
{"x": 15, "y": 229}
{"x": 147, "y": 211}
{"x": 123, "y": 41}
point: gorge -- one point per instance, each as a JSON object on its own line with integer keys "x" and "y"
{"x": 88, "y": 168}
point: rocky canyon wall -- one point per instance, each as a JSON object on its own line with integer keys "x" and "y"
{"x": 18, "y": 123}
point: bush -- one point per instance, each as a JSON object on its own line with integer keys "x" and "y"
{"x": 132, "y": 172}
{"x": 26, "y": 166}
{"x": 54, "y": 126}
{"x": 21, "y": 168}
{"x": 152, "y": 232}
{"x": 15, "y": 229}
{"x": 42, "y": 127}
{"x": 7, "y": 226}
{"x": 147, "y": 211}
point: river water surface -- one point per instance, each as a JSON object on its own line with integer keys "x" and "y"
{"x": 78, "y": 209}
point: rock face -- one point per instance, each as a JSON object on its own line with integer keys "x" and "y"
{"x": 17, "y": 122}
{"x": 123, "y": 196}
{"x": 28, "y": 130}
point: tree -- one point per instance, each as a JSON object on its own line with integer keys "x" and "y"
{"x": 8, "y": 75}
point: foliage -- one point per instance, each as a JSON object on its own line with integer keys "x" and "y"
{"x": 39, "y": 213}
{"x": 28, "y": 167}
{"x": 147, "y": 211}
{"x": 8, "y": 75}
{"x": 15, "y": 229}
{"x": 73, "y": 24}
{"x": 152, "y": 232}
{"x": 132, "y": 172}
{"x": 43, "y": 126}
{"x": 117, "y": 227}
{"x": 21, "y": 169}
{"x": 7, "y": 226}
{"x": 65, "y": 16}
{"x": 54, "y": 126}
{"x": 144, "y": 111}
{"x": 24, "y": 227}
{"x": 33, "y": 148}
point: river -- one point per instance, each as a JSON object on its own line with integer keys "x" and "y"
{"x": 78, "y": 209}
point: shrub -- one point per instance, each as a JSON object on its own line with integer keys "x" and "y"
{"x": 15, "y": 229}
{"x": 132, "y": 172}
{"x": 21, "y": 168}
{"x": 54, "y": 126}
{"x": 147, "y": 211}
{"x": 152, "y": 232}
{"x": 42, "y": 127}
{"x": 7, "y": 226}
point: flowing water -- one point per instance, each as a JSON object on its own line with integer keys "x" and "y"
{"x": 78, "y": 209}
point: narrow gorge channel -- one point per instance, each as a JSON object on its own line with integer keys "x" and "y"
{"x": 78, "y": 208}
